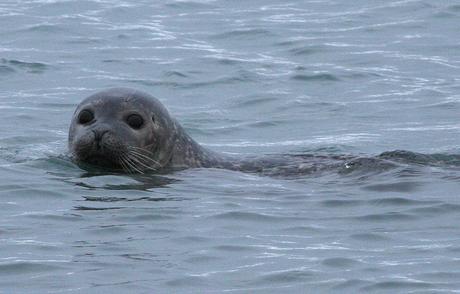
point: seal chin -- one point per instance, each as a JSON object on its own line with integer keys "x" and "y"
{"x": 103, "y": 161}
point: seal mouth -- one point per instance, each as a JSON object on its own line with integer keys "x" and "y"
{"x": 102, "y": 161}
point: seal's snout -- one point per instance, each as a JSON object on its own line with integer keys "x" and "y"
{"x": 98, "y": 134}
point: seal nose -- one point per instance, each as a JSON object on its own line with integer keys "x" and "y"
{"x": 98, "y": 134}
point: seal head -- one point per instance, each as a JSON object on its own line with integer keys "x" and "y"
{"x": 122, "y": 128}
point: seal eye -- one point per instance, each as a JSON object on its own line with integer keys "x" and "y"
{"x": 135, "y": 121}
{"x": 85, "y": 116}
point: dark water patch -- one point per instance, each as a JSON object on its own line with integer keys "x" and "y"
{"x": 160, "y": 231}
{"x": 300, "y": 230}
{"x": 138, "y": 217}
{"x": 235, "y": 248}
{"x": 139, "y": 256}
{"x": 126, "y": 199}
{"x": 57, "y": 218}
{"x": 243, "y": 34}
{"x": 187, "y": 281}
{"x": 253, "y": 102}
{"x": 266, "y": 124}
{"x": 335, "y": 203}
{"x": 286, "y": 276}
{"x": 306, "y": 50}
{"x": 201, "y": 259}
{"x": 249, "y": 216}
{"x": 4, "y": 69}
{"x": 30, "y": 67}
{"x": 351, "y": 283}
{"x": 229, "y": 61}
{"x": 401, "y": 187}
{"x": 399, "y": 201}
{"x": 439, "y": 276}
{"x": 192, "y": 239}
{"x": 186, "y": 5}
{"x": 25, "y": 267}
{"x": 113, "y": 61}
{"x": 339, "y": 262}
{"x": 453, "y": 8}
{"x": 361, "y": 75}
{"x": 108, "y": 229}
{"x": 321, "y": 77}
{"x": 369, "y": 237}
{"x": 439, "y": 209}
{"x": 397, "y": 285}
{"x": 386, "y": 217}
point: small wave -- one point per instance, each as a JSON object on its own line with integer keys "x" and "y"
{"x": 398, "y": 201}
{"x": 201, "y": 4}
{"x": 326, "y": 77}
{"x": 402, "y": 187}
{"x": 398, "y": 285}
{"x": 438, "y": 209}
{"x": 243, "y": 34}
{"x": 241, "y": 77}
{"x": 339, "y": 262}
{"x": 308, "y": 50}
{"x": 253, "y": 101}
{"x": 386, "y": 217}
{"x": 286, "y": 276}
{"x": 249, "y": 216}
{"x": 22, "y": 267}
{"x": 369, "y": 237}
{"x": 342, "y": 203}
{"x": 188, "y": 281}
{"x": 31, "y": 67}
{"x": 235, "y": 248}
{"x": 173, "y": 73}
{"x": 45, "y": 28}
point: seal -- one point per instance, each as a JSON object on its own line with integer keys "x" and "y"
{"x": 130, "y": 130}
{"x": 127, "y": 129}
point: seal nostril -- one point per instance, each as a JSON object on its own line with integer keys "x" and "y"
{"x": 99, "y": 134}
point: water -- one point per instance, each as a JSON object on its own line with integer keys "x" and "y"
{"x": 322, "y": 77}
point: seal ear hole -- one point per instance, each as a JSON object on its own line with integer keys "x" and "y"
{"x": 135, "y": 121}
{"x": 153, "y": 118}
{"x": 85, "y": 116}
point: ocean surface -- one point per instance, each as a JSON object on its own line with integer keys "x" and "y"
{"x": 320, "y": 78}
